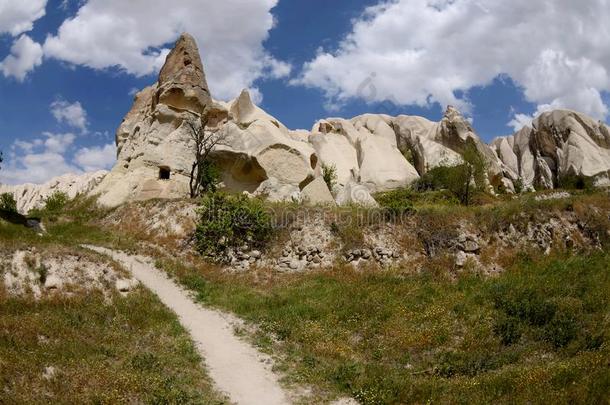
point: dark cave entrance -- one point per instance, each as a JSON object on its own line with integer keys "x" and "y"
{"x": 164, "y": 173}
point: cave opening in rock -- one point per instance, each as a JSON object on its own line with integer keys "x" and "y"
{"x": 164, "y": 173}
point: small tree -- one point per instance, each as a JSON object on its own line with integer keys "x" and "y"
{"x": 8, "y": 203}
{"x": 204, "y": 173}
{"x": 466, "y": 178}
{"x": 461, "y": 180}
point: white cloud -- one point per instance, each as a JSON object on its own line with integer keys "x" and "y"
{"x": 128, "y": 35}
{"x": 51, "y": 155}
{"x": 73, "y": 114}
{"x": 39, "y": 160}
{"x": 37, "y": 168}
{"x": 25, "y": 56}
{"x": 58, "y": 143}
{"x": 18, "y": 16}
{"x": 96, "y": 158}
{"x": 424, "y": 51}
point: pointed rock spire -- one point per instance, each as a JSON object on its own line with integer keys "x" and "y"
{"x": 182, "y": 83}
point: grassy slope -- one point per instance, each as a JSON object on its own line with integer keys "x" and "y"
{"x": 130, "y": 350}
{"x": 538, "y": 333}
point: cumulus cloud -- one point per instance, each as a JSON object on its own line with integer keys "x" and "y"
{"x": 96, "y": 158}
{"x": 427, "y": 51}
{"x": 25, "y": 56}
{"x": 18, "y": 16}
{"x": 131, "y": 35}
{"x": 50, "y": 155}
{"x": 72, "y": 114}
{"x": 39, "y": 160}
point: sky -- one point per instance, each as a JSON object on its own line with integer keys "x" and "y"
{"x": 69, "y": 68}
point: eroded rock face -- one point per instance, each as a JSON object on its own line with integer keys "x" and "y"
{"x": 560, "y": 143}
{"x": 152, "y": 142}
{"x": 258, "y": 155}
{"x": 29, "y": 196}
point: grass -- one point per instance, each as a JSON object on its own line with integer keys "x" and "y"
{"x": 131, "y": 350}
{"x": 76, "y": 224}
{"x": 539, "y": 333}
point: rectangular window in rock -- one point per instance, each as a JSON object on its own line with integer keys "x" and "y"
{"x": 164, "y": 173}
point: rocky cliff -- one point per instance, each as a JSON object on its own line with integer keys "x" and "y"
{"x": 260, "y": 156}
{"x": 560, "y": 143}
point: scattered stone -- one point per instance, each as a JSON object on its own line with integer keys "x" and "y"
{"x": 49, "y": 372}
{"x": 53, "y": 282}
{"x": 471, "y": 246}
{"x": 125, "y": 285}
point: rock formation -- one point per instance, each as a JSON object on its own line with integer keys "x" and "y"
{"x": 154, "y": 149}
{"x": 560, "y": 143}
{"x": 258, "y": 155}
{"x": 29, "y": 196}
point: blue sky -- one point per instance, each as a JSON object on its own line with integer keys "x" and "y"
{"x": 68, "y": 68}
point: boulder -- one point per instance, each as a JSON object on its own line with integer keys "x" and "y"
{"x": 274, "y": 190}
{"x": 336, "y": 150}
{"x": 317, "y": 193}
{"x": 415, "y": 136}
{"x": 356, "y": 194}
{"x": 382, "y": 166}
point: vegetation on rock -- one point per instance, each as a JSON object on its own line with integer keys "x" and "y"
{"x": 329, "y": 174}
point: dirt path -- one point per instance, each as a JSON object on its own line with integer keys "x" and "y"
{"x": 238, "y": 369}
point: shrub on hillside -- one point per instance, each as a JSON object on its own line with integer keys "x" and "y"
{"x": 209, "y": 177}
{"x": 462, "y": 180}
{"x": 56, "y": 202}
{"x": 229, "y": 222}
{"x": 396, "y": 203}
{"x": 8, "y": 203}
{"x": 575, "y": 182}
{"x": 53, "y": 206}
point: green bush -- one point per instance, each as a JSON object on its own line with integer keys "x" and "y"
{"x": 574, "y": 182}
{"x": 8, "y": 203}
{"x": 433, "y": 180}
{"x": 526, "y": 304}
{"x": 53, "y": 206}
{"x": 329, "y": 174}
{"x": 462, "y": 180}
{"x": 562, "y": 329}
{"x": 396, "y": 203}
{"x": 231, "y": 221}
{"x": 508, "y": 329}
{"x": 210, "y": 177}
{"x": 56, "y": 202}
{"x": 519, "y": 186}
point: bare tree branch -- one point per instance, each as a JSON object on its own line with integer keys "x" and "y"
{"x": 205, "y": 141}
